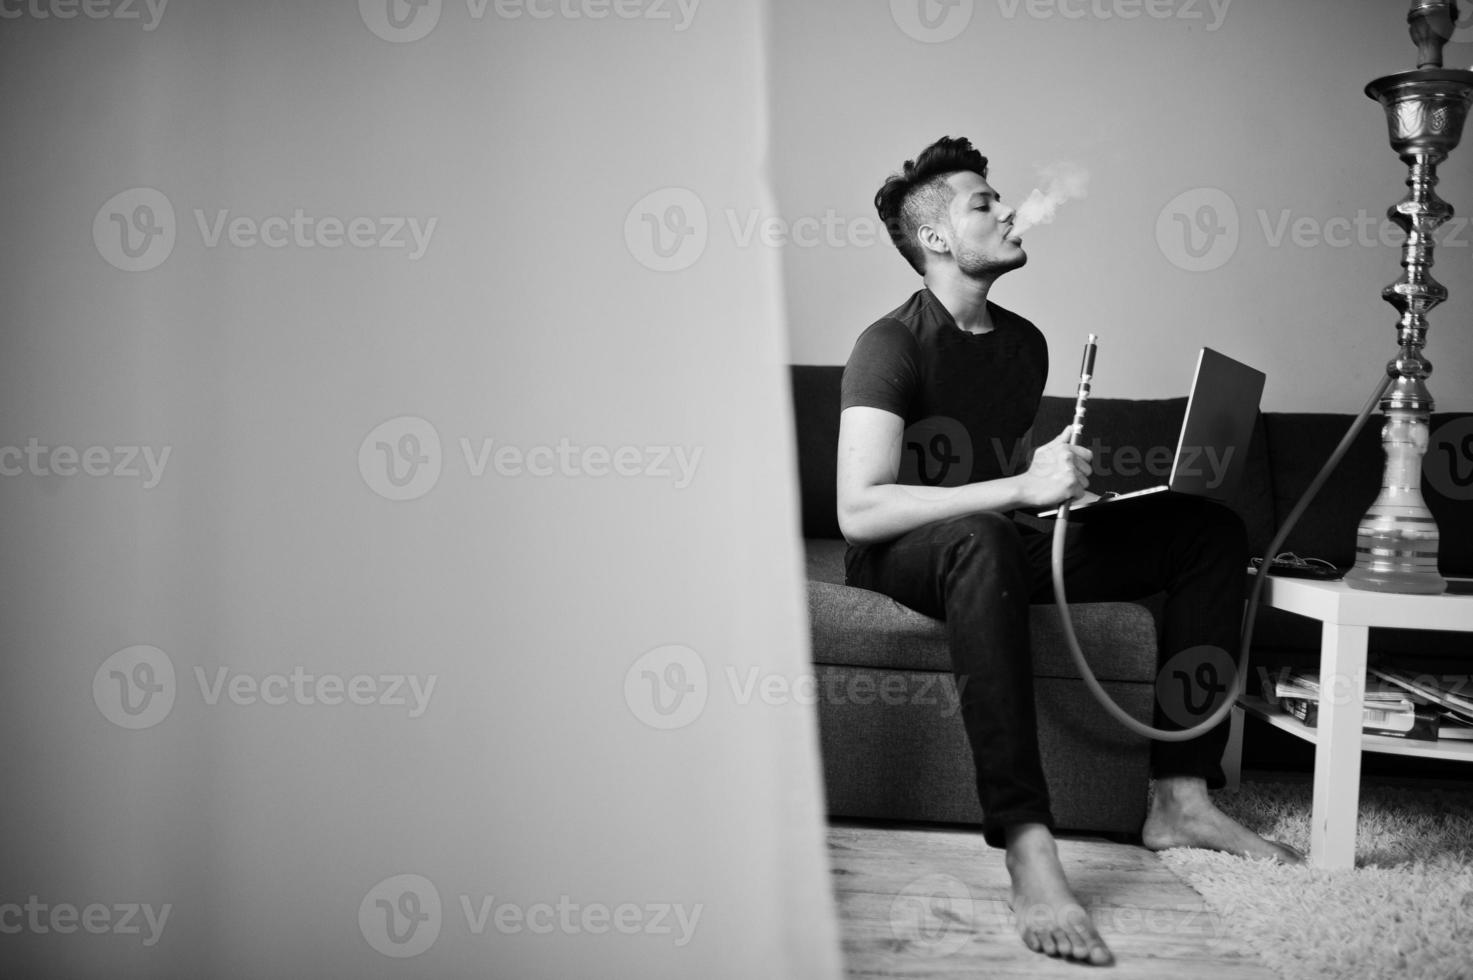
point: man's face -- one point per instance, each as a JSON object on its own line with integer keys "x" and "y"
{"x": 981, "y": 229}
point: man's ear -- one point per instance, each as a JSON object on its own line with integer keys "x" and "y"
{"x": 932, "y": 240}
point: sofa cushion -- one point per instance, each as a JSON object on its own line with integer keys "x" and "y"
{"x": 816, "y": 412}
{"x": 825, "y": 559}
{"x": 857, "y": 627}
{"x": 1299, "y": 444}
{"x": 894, "y": 748}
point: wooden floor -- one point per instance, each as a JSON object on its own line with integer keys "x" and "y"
{"x": 933, "y": 903}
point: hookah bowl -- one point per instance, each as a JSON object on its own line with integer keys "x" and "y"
{"x": 1397, "y": 540}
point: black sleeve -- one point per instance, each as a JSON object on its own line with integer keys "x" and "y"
{"x": 1042, "y": 343}
{"x": 882, "y": 371}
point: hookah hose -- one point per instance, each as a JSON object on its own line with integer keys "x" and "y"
{"x": 1250, "y": 613}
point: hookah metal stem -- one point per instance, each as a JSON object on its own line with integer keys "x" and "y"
{"x": 1086, "y": 375}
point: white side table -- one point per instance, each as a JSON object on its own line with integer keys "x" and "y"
{"x": 1347, "y": 616}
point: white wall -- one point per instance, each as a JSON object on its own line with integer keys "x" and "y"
{"x": 1258, "y": 100}
{"x": 265, "y": 549}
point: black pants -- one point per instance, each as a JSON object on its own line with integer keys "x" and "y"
{"x": 980, "y": 573}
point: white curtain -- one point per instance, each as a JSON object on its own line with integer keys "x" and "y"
{"x": 399, "y": 527}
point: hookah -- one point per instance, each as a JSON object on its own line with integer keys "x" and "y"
{"x": 1397, "y": 540}
{"x": 1396, "y": 543}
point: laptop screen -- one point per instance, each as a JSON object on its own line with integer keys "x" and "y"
{"x": 1217, "y": 428}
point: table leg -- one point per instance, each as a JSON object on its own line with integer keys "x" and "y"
{"x": 1232, "y": 755}
{"x": 1337, "y": 746}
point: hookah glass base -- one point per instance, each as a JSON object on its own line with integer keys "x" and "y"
{"x": 1396, "y": 543}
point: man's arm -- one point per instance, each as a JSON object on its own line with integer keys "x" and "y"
{"x": 873, "y": 507}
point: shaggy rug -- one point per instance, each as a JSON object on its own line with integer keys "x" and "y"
{"x": 1405, "y": 910}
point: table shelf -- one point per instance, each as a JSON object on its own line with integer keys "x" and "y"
{"x": 1453, "y": 750}
{"x": 1346, "y": 618}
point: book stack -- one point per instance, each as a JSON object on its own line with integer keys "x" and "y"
{"x": 1396, "y": 704}
{"x": 1451, "y": 695}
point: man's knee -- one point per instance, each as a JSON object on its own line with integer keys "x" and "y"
{"x": 984, "y": 542}
{"x": 984, "y": 528}
{"x": 1218, "y": 529}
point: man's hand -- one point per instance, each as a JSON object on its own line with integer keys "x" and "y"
{"x": 1058, "y": 472}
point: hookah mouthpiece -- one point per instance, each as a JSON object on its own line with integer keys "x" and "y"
{"x": 1087, "y": 369}
{"x": 1086, "y": 375}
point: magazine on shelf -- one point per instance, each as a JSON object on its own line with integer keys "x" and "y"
{"x": 1397, "y": 704}
{"x": 1386, "y": 706}
{"x": 1374, "y": 721}
{"x": 1452, "y": 729}
{"x": 1446, "y": 692}
{"x": 1306, "y": 684}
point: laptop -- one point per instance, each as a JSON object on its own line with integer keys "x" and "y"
{"x": 1211, "y": 455}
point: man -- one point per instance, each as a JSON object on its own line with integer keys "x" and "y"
{"x": 955, "y": 370}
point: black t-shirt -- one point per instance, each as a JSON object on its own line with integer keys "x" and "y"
{"x": 967, "y": 399}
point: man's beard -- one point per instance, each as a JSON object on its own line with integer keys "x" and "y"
{"x": 980, "y": 265}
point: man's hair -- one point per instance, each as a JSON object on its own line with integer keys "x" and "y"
{"x": 919, "y": 195}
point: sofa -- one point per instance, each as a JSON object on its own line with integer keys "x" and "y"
{"x": 892, "y": 740}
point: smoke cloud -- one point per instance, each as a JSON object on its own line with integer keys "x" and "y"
{"x": 1062, "y": 182}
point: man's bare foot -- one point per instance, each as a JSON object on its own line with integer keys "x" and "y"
{"x": 1050, "y": 919}
{"x": 1183, "y": 815}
